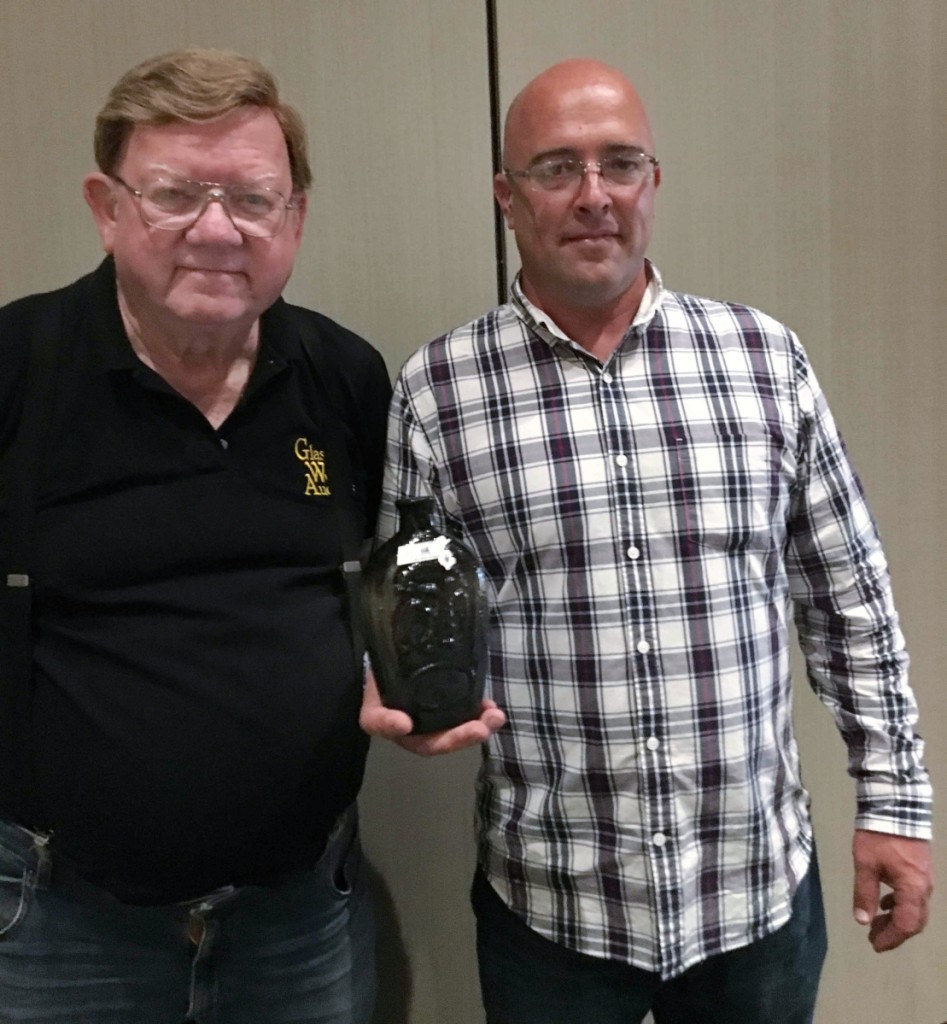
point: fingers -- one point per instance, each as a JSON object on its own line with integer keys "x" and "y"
{"x": 903, "y": 918}
{"x": 865, "y": 897}
{"x": 904, "y": 865}
{"x": 446, "y": 741}
{"x": 377, "y": 720}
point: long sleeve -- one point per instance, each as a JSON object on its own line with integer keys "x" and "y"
{"x": 848, "y": 627}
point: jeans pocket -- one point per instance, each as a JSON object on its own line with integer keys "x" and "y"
{"x": 17, "y": 883}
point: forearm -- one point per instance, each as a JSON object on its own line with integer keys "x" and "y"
{"x": 859, "y": 668}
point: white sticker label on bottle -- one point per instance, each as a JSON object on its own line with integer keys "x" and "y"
{"x": 434, "y": 550}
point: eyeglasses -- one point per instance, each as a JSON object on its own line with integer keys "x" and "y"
{"x": 561, "y": 171}
{"x": 174, "y": 204}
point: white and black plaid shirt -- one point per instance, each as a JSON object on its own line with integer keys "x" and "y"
{"x": 649, "y": 527}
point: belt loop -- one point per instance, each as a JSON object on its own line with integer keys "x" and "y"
{"x": 44, "y": 859}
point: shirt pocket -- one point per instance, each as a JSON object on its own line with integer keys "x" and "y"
{"x": 728, "y": 488}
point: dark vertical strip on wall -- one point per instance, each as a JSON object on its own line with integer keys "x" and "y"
{"x": 493, "y": 70}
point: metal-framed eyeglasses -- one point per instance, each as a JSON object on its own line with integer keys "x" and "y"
{"x": 557, "y": 171}
{"x": 174, "y": 204}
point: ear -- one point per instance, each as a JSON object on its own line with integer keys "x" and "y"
{"x": 301, "y": 209}
{"x": 99, "y": 193}
{"x": 503, "y": 194}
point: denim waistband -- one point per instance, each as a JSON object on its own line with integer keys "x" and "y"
{"x": 30, "y": 848}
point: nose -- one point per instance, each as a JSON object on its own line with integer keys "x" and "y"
{"x": 592, "y": 194}
{"x": 214, "y": 223}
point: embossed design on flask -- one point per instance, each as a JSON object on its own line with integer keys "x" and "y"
{"x": 424, "y": 597}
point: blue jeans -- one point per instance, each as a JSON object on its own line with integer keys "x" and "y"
{"x": 300, "y": 951}
{"x": 526, "y": 979}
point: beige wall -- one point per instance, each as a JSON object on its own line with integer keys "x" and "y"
{"x": 803, "y": 147}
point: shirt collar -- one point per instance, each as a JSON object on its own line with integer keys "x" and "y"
{"x": 542, "y": 323}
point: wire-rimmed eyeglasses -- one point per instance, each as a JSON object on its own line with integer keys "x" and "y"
{"x": 174, "y": 204}
{"x": 557, "y": 171}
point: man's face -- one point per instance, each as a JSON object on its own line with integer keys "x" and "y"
{"x": 583, "y": 246}
{"x": 210, "y": 274}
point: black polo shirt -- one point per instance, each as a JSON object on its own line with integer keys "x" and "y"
{"x": 196, "y": 696}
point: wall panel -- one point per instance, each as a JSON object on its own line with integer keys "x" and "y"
{"x": 399, "y": 246}
{"x": 803, "y": 148}
{"x": 399, "y": 242}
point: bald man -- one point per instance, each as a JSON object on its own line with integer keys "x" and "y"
{"x": 656, "y": 488}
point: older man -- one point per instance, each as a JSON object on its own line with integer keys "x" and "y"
{"x": 178, "y": 837}
{"x": 655, "y": 485}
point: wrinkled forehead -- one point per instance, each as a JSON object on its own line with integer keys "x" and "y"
{"x": 247, "y": 144}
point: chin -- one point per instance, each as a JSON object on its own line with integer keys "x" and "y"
{"x": 599, "y": 290}
{"x": 203, "y": 307}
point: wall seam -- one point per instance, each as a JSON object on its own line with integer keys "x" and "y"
{"x": 493, "y": 74}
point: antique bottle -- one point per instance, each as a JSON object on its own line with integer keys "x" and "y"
{"x": 424, "y": 597}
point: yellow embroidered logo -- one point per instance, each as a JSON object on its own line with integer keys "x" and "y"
{"x": 317, "y": 483}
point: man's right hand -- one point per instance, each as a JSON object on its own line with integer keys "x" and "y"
{"x": 377, "y": 720}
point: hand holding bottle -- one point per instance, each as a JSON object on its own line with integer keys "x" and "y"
{"x": 377, "y": 720}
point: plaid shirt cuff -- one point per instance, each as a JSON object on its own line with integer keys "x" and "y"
{"x": 898, "y": 808}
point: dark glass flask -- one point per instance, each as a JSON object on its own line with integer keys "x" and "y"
{"x": 424, "y": 597}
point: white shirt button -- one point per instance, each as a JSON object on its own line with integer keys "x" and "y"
{"x": 659, "y": 839}
{"x": 621, "y": 460}
{"x": 224, "y": 443}
{"x": 652, "y": 743}
{"x": 642, "y": 647}
{"x": 633, "y": 553}
{"x": 607, "y": 377}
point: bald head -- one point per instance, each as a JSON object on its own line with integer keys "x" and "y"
{"x": 558, "y": 93}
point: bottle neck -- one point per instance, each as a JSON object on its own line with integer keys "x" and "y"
{"x": 415, "y": 514}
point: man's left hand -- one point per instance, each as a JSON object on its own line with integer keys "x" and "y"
{"x": 902, "y": 863}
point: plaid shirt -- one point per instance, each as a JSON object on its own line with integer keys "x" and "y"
{"x": 649, "y": 526}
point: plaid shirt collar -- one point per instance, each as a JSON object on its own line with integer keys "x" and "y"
{"x": 542, "y": 324}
